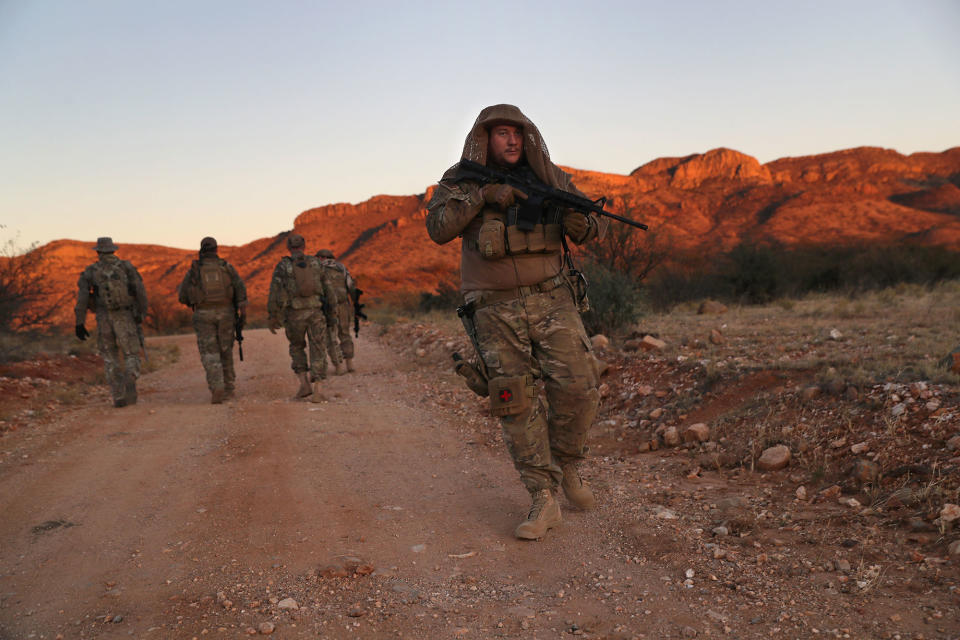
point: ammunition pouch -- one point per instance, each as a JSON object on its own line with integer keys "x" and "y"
{"x": 490, "y": 242}
{"x": 510, "y": 395}
{"x": 473, "y": 377}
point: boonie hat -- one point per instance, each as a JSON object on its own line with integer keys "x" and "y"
{"x": 105, "y": 245}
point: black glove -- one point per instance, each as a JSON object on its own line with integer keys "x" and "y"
{"x": 82, "y": 333}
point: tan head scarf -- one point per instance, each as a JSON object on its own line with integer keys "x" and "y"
{"x": 534, "y": 148}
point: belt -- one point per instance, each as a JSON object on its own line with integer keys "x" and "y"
{"x": 489, "y": 297}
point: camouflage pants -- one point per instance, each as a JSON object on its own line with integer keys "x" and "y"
{"x": 340, "y": 345}
{"x": 542, "y": 335}
{"x": 303, "y": 326}
{"x": 215, "y": 335}
{"x": 119, "y": 346}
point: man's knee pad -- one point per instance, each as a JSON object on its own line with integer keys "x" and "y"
{"x": 511, "y": 395}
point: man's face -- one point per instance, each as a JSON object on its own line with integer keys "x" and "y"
{"x": 506, "y": 145}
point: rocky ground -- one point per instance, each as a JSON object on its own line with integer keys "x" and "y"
{"x": 387, "y": 510}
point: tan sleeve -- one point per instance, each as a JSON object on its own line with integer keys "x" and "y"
{"x": 451, "y": 209}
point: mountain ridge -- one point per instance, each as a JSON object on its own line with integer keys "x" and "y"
{"x": 704, "y": 201}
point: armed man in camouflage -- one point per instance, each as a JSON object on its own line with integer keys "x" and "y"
{"x": 521, "y": 309}
{"x": 339, "y": 343}
{"x": 303, "y": 301}
{"x": 113, "y": 289}
{"x": 218, "y": 297}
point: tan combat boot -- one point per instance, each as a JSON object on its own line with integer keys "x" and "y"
{"x": 350, "y": 365}
{"x": 341, "y": 369}
{"x": 304, "y": 389}
{"x": 317, "y": 396}
{"x": 544, "y": 515}
{"x": 217, "y": 396}
{"x": 576, "y": 490}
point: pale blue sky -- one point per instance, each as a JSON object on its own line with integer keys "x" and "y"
{"x": 168, "y": 121}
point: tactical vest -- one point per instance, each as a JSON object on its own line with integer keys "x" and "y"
{"x": 499, "y": 235}
{"x": 112, "y": 285}
{"x": 216, "y": 289}
{"x": 306, "y": 290}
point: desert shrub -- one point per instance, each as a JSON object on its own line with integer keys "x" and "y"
{"x": 446, "y": 298}
{"x": 27, "y": 299}
{"x": 615, "y": 299}
{"x": 756, "y": 273}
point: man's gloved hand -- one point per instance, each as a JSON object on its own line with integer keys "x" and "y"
{"x": 501, "y": 195}
{"x": 82, "y": 333}
{"x": 243, "y": 318}
{"x": 575, "y": 224}
{"x": 273, "y": 324}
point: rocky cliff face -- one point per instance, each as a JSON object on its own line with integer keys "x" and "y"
{"x": 708, "y": 202}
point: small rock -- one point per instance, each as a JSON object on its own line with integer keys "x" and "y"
{"x": 689, "y": 632}
{"x": 801, "y": 493}
{"x": 421, "y": 352}
{"x": 954, "y": 548}
{"x": 865, "y": 471}
{"x": 851, "y": 393}
{"x": 266, "y": 628}
{"x": 774, "y": 458}
{"x": 649, "y": 343}
{"x": 418, "y": 548}
{"x": 809, "y": 393}
{"x": 356, "y": 612}
{"x": 720, "y": 531}
{"x": 842, "y": 565}
{"x": 836, "y": 444}
{"x": 631, "y": 345}
{"x": 898, "y": 410}
{"x": 859, "y": 448}
{"x": 716, "y": 337}
{"x": 949, "y": 512}
{"x": 698, "y": 432}
{"x": 671, "y": 437}
{"x": 600, "y": 341}
{"x": 953, "y": 444}
{"x": 663, "y": 513}
{"x": 287, "y": 604}
{"x": 835, "y": 334}
{"x": 655, "y": 413}
{"x": 711, "y": 306}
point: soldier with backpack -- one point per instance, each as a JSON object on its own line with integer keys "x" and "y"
{"x": 113, "y": 289}
{"x": 218, "y": 297}
{"x": 303, "y": 301}
{"x": 339, "y": 342}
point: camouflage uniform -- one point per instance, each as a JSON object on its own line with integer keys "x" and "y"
{"x": 113, "y": 289}
{"x": 340, "y": 343}
{"x": 215, "y": 292}
{"x": 305, "y": 318}
{"x": 522, "y": 315}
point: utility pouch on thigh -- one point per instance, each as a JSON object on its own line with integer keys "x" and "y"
{"x": 510, "y": 395}
{"x": 490, "y": 242}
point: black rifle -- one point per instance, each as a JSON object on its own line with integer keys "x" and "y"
{"x": 357, "y": 312}
{"x": 538, "y": 195}
{"x": 238, "y": 332}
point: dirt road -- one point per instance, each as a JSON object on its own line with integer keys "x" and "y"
{"x": 372, "y": 515}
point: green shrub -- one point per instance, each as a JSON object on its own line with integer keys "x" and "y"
{"x": 615, "y": 300}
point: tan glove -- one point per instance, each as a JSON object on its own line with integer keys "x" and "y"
{"x": 501, "y": 195}
{"x": 273, "y": 324}
{"x": 575, "y": 224}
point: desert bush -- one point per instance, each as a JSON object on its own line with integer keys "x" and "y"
{"x": 446, "y": 298}
{"x": 615, "y": 299}
{"x": 756, "y": 273}
{"x": 27, "y": 298}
